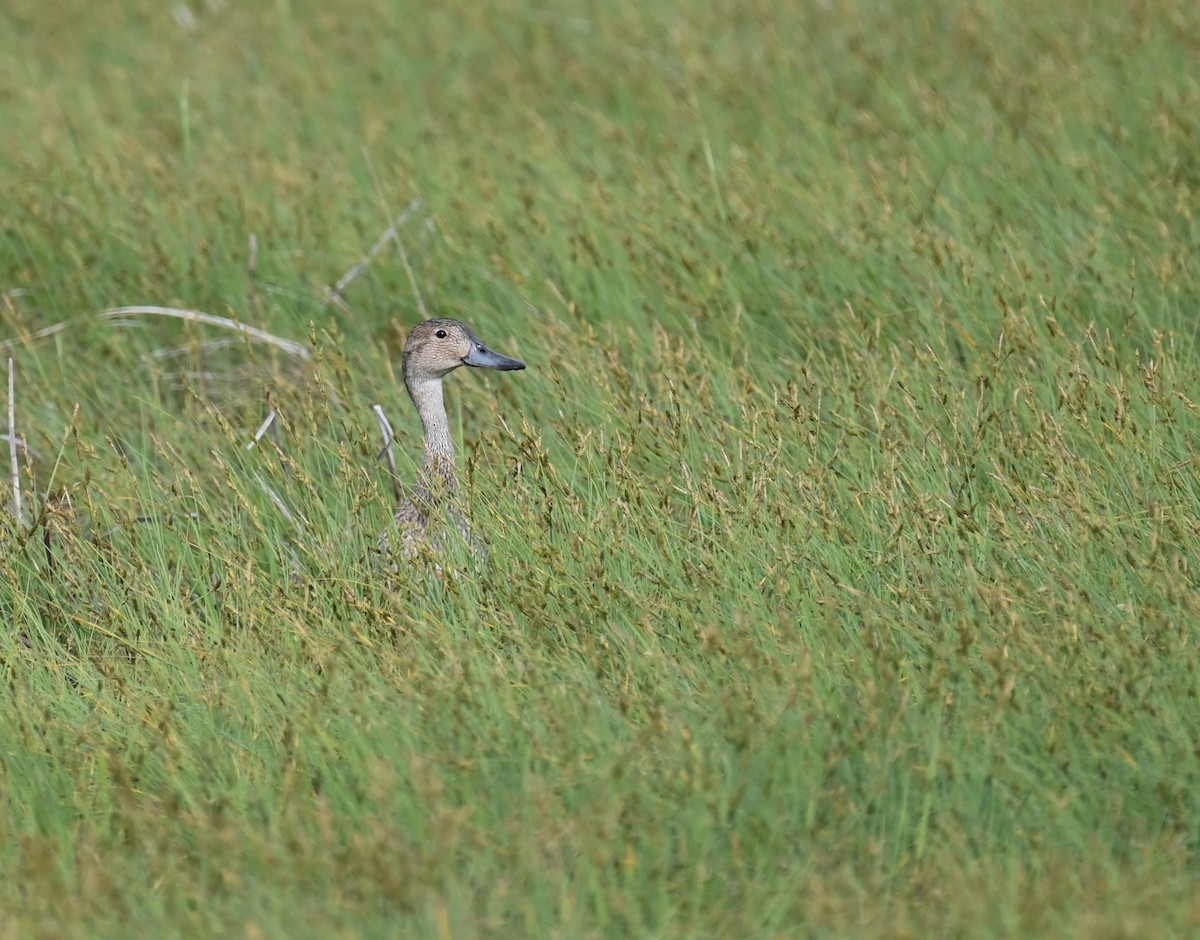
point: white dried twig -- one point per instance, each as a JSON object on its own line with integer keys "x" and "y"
{"x": 251, "y": 271}
{"x": 185, "y": 19}
{"x": 278, "y": 501}
{"x": 336, "y": 294}
{"x": 252, "y": 332}
{"x": 36, "y": 334}
{"x": 12, "y": 443}
{"x": 174, "y": 352}
{"x": 389, "y": 438}
{"x": 412, "y": 278}
{"x": 29, "y": 449}
{"x": 262, "y": 429}
{"x": 261, "y": 481}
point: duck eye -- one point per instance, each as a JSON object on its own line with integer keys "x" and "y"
{"x": 440, "y": 334}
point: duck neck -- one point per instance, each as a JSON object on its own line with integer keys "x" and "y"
{"x": 439, "y": 449}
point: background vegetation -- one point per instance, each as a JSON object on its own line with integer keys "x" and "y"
{"x": 841, "y": 529}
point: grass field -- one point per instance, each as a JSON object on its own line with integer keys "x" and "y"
{"x": 840, "y": 532}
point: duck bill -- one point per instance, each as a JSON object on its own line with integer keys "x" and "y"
{"x": 483, "y": 358}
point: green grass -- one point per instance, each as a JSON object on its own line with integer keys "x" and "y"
{"x": 840, "y": 532}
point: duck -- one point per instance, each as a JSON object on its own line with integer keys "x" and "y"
{"x": 433, "y": 350}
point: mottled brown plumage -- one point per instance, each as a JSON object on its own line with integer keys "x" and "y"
{"x": 434, "y": 349}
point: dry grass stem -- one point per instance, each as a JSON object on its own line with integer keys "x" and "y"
{"x": 203, "y": 347}
{"x": 251, "y": 272}
{"x": 278, "y": 502}
{"x": 43, "y": 333}
{"x": 196, "y": 316}
{"x": 389, "y": 438}
{"x": 15, "y": 466}
{"x": 336, "y": 294}
{"x": 262, "y": 429}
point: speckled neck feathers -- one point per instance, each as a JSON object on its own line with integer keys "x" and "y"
{"x": 426, "y": 394}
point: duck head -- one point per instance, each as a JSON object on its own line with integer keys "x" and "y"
{"x": 438, "y": 347}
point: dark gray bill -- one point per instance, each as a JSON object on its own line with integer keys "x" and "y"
{"x": 484, "y": 358}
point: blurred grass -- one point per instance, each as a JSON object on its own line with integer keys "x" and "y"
{"x": 840, "y": 531}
